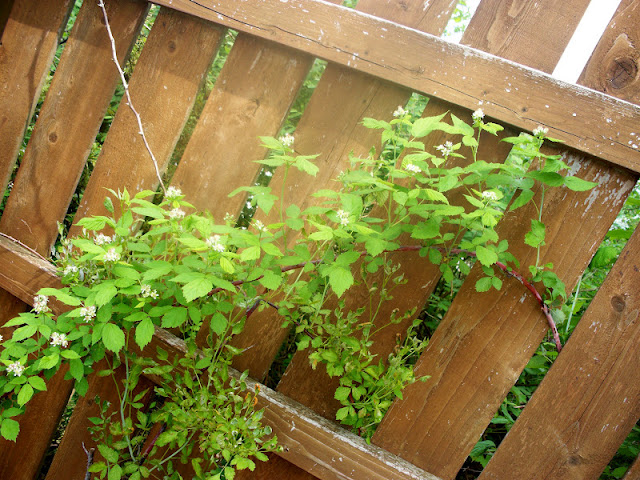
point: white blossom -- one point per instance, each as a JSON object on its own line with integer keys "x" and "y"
{"x": 410, "y": 167}
{"x": 287, "y": 140}
{"x": 1, "y": 338}
{"x": 490, "y": 196}
{"x": 176, "y": 213}
{"x": 146, "y": 292}
{"x": 477, "y": 115}
{"x": 344, "y": 217}
{"x": 88, "y": 312}
{"x": 540, "y": 130}
{"x": 69, "y": 269}
{"x": 111, "y": 255}
{"x": 400, "y": 112}
{"x": 59, "y": 340}
{"x": 40, "y": 304}
{"x": 445, "y": 149}
{"x": 214, "y": 243}
{"x": 16, "y": 368}
{"x": 259, "y": 226}
{"x": 102, "y": 239}
{"x": 229, "y": 218}
{"x": 173, "y": 193}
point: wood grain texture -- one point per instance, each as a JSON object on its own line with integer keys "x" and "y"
{"x": 615, "y": 63}
{"x": 163, "y": 87}
{"x": 590, "y": 399}
{"x": 507, "y": 91}
{"x": 68, "y": 122}
{"x": 309, "y": 440}
{"x": 29, "y": 42}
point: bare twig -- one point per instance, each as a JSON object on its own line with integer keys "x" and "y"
{"x": 128, "y": 95}
{"x": 89, "y": 453}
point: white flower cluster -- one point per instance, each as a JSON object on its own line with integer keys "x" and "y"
{"x": 259, "y": 226}
{"x": 214, "y": 243}
{"x": 40, "y": 304}
{"x": 16, "y": 368}
{"x": 146, "y": 292}
{"x": 176, "y": 213}
{"x": 173, "y": 193}
{"x": 540, "y": 130}
{"x": 287, "y": 140}
{"x": 111, "y": 255}
{"x": 69, "y": 269}
{"x": 59, "y": 340}
{"x": 445, "y": 149}
{"x": 229, "y": 218}
{"x": 88, "y": 313}
{"x": 410, "y": 167}
{"x": 477, "y": 115}
{"x": 344, "y": 217}
{"x": 400, "y": 112}
{"x": 1, "y": 338}
{"x": 102, "y": 239}
{"x": 491, "y": 196}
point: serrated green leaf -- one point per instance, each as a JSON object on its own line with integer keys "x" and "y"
{"x": 578, "y": 185}
{"x": 49, "y": 361}
{"x": 26, "y": 392}
{"x": 10, "y": 429}
{"x": 271, "y": 280}
{"x": 144, "y": 332}
{"x": 112, "y": 337}
{"x": 196, "y": 289}
{"x": 486, "y": 256}
{"x": 218, "y": 323}
{"x": 175, "y": 317}
{"x": 38, "y": 383}
{"x": 340, "y": 279}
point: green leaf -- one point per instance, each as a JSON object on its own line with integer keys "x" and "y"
{"x": 109, "y": 454}
{"x": 157, "y": 269}
{"x": 486, "y": 256}
{"x": 26, "y": 392}
{"x": 552, "y": 179}
{"x": 535, "y": 237}
{"x": 144, "y": 332}
{"x": 108, "y": 204}
{"x": 112, "y": 337}
{"x": 250, "y": 253}
{"x": 426, "y": 230}
{"x": 38, "y": 383}
{"x": 375, "y": 246}
{"x": 174, "y": 317}
{"x": 88, "y": 246}
{"x": 150, "y": 210}
{"x": 342, "y": 393}
{"x": 61, "y": 295}
{"x": 424, "y": 126}
{"x": 49, "y": 361}
{"x": 10, "y": 429}
{"x": 578, "y": 185}
{"x": 76, "y": 369}
{"x": 196, "y": 289}
{"x": 340, "y": 279}
{"x": 342, "y": 413}
{"x": 104, "y": 293}
{"x": 226, "y": 265}
{"x": 218, "y": 323}
{"x": 484, "y": 284}
{"x": 271, "y": 280}
{"x": 303, "y": 164}
{"x": 522, "y": 199}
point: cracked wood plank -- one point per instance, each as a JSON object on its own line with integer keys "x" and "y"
{"x": 309, "y": 441}
{"x": 585, "y": 119}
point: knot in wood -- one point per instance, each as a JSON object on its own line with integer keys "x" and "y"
{"x": 618, "y": 303}
{"x": 622, "y": 71}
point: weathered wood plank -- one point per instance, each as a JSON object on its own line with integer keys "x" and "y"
{"x": 507, "y": 91}
{"x": 29, "y": 42}
{"x": 163, "y": 87}
{"x": 5, "y": 11}
{"x": 310, "y": 441}
{"x": 69, "y": 120}
{"x": 466, "y": 357}
{"x": 590, "y": 399}
{"x": 616, "y": 71}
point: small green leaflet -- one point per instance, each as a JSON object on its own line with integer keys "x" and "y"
{"x": 174, "y": 317}
{"x": 486, "y": 256}
{"x": 112, "y": 337}
{"x": 218, "y": 323}
{"x": 340, "y": 280}
{"x": 10, "y": 429}
{"x": 197, "y": 288}
{"x": 535, "y": 237}
{"x": 271, "y": 280}
{"x": 578, "y": 185}
{"x": 144, "y": 332}
{"x": 61, "y": 295}
{"x": 37, "y": 383}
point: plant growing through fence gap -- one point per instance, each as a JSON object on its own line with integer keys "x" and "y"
{"x": 166, "y": 266}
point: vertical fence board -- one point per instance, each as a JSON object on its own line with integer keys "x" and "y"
{"x": 29, "y": 42}
{"x": 590, "y": 399}
{"x": 618, "y": 54}
{"x": 323, "y": 130}
{"x": 164, "y": 86}
{"x": 71, "y": 115}
{"x": 480, "y": 348}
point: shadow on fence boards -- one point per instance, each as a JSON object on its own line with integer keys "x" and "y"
{"x": 378, "y": 54}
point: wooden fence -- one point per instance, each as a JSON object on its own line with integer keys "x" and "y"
{"x": 378, "y": 54}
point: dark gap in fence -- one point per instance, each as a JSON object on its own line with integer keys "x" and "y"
{"x": 625, "y": 456}
{"x": 5, "y": 11}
